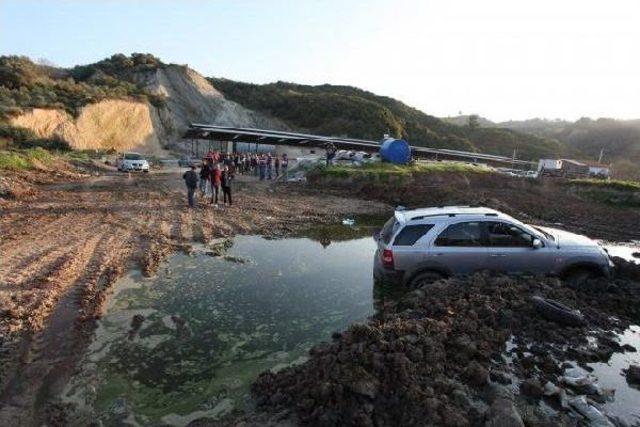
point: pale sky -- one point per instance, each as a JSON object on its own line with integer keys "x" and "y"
{"x": 502, "y": 59}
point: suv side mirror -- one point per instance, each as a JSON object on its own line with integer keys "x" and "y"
{"x": 536, "y": 244}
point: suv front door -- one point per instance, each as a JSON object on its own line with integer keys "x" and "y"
{"x": 511, "y": 250}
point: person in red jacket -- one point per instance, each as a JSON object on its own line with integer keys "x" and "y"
{"x": 216, "y": 180}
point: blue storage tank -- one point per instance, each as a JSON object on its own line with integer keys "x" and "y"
{"x": 395, "y": 151}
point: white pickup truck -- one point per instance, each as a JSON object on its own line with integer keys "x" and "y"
{"x": 132, "y": 162}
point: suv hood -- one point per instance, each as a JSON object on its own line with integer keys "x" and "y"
{"x": 565, "y": 238}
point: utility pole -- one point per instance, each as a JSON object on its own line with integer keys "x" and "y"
{"x": 601, "y": 154}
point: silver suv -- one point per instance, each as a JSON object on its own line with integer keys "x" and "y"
{"x": 422, "y": 245}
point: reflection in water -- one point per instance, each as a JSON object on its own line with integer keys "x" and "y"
{"x": 189, "y": 342}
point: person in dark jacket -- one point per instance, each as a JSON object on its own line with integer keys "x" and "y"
{"x": 227, "y": 178}
{"x": 191, "y": 179}
{"x": 216, "y": 179}
{"x": 205, "y": 175}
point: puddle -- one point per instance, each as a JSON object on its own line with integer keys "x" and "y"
{"x": 212, "y": 324}
{"x": 627, "y": 399}
{"x": 625, "y": 250}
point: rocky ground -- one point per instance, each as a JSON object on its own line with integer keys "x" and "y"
{"x": 462, "y": 351}
{"x": 67, "y": 235}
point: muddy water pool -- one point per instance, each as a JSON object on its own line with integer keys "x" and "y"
{"x": 188, "y": 343}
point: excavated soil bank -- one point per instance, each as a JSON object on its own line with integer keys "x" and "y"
{"x": 546, "y": 201}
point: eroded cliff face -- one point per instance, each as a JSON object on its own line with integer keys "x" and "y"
{"x": 111, "y": 124}
{"x": 139, "y": 126}
{"x": 190, "y": 98}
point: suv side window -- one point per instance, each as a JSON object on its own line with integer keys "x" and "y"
{"x": 503, "y": 235}
{"x": 465, "y": 234}
{"x": 409, "y": 235}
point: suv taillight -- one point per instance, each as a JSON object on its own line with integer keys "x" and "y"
{"x": 387, "y": 258}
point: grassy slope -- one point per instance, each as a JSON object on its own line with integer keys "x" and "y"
{"x": 349, "y": 111}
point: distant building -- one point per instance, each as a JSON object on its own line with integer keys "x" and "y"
{"x": 598, "y": 170}
{"x": 567, "y": 168}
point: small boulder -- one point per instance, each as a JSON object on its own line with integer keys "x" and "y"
{"x": 504, "y": 414}
{"x": 633, "y": 374}
{"x": 532, "y": 388}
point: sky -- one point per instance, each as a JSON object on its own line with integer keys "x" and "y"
{"x": 502, "y": 59}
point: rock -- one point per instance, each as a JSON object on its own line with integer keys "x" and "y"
{"x": 532, "y": 388}
{"x": 633, "y": 374}
{"x": 500, "y": 377}
{"x": 504, "y": 414}
{"x": 366, "y": 387}
{"x": 475, "y": 374}
{"x": 629, "y": 348}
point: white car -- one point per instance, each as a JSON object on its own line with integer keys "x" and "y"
{"x": 132, "y": 162}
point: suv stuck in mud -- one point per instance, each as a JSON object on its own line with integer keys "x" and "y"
{"x": 420, "y": 246}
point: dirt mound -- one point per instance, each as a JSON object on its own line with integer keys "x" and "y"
{"x": 438, "y": 354}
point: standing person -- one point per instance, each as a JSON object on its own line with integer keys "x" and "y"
{"x": 285, "y": 166}
{"x": 216, "y": 180}
{"x": 331, "y": 153}
{"x": 277, "y": 163}
{"x": 262, "y": 166}
{"x": 254, "y": 164}
{"x": 205, "y": 175}
{"x": 269, "y": 165}
{"x": 191, "y": 179}
{"x": 227, "y": 178}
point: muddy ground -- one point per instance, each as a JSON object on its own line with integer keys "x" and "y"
{"x": 65, "y": 238}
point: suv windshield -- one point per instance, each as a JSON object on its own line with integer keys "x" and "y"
{"x": 133, "y": 156}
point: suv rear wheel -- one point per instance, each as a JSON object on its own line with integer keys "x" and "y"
{"x": 424, "y": 278}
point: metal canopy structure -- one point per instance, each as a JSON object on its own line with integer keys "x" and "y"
{"x": 302, "y": 140}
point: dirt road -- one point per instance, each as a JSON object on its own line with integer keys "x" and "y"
{"x": 63, "y": 246}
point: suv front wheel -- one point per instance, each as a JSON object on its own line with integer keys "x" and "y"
{"x": 424, "y": 278}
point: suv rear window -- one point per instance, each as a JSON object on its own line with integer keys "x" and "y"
{"x": 465, "y": 234}
{"x": 409, "y": 235}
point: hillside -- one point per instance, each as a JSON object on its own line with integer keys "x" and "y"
{"x": 582, "y": 139}
{"x": 121, "y": 103}
{"x": 353, "y": 112}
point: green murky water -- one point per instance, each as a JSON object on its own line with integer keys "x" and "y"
{"x": 212, "y": 324}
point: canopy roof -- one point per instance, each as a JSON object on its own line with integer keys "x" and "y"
{"x": 275, "y": 137}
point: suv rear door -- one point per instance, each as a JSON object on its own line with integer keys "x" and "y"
{"x": 410, "y": 246}
{"x": 461, "y": 247}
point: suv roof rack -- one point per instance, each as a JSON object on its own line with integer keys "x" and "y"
{"x": 451, "y": 215}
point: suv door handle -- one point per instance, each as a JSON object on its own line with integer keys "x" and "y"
{"x": 496, "y": 255}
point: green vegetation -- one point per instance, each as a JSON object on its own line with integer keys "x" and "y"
{"x": 383, "y": 171}
{"x": 351, "y": 112}
{"x": 616, "y": 192}
{"x": 617, "y": 185}
{"x": 24, "y": 159}
{"x": 25, "y": 84}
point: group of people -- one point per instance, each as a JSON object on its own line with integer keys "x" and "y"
{"x": 218, "y": 171}
{"x": 263, "y": 165}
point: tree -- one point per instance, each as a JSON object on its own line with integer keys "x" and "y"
{"x": 474, "y": 122}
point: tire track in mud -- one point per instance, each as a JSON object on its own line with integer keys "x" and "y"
{"x": 52, "y": 351}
